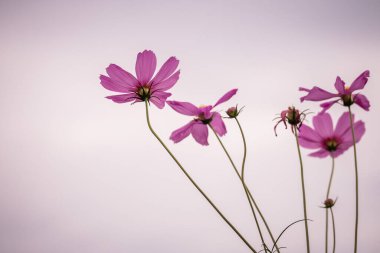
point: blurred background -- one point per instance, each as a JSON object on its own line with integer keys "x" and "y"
{"x": 79, "y": 173}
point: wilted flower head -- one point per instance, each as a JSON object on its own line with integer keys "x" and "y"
{"x": 291, "y": 116}
{"x": 144, "y": 87}
{"x": 329, "y": 203}
{"x": 203, "y": 116}
{"x": 233, "y": 111}
{"x": 327, "y": 140}
{"x": 345, "y": 93}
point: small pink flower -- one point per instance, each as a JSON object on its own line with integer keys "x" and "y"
{"x": 144, "y": 87}
{"x": 327, "y": 140}
{"x": 203, "y": 117}
{"x": 345, "y": 93}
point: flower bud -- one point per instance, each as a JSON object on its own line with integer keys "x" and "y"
{"x": 329, "y": 203}
{"x": 232, "y": 112}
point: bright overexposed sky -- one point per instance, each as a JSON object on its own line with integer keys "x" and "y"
{"x": 81, "y": 174}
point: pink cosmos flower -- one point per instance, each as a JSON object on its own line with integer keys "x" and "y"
{"x": 327, "y": 140}
{"x": 144, "y": 87}
{"x": 344, "y": 93}
{"x": 203, "y": 117}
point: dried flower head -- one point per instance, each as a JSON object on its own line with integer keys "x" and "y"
{"x": 329, "y": 203}
{"x": 291, "y": 116}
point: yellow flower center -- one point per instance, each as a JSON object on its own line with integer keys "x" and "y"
{"x": 331, "y": 144}
{"x": 143, "y": 92}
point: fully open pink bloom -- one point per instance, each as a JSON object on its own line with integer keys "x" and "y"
{"x": 203, "y": 116}
{"x": 327, "y": 140}
{"x": 344, "y": 93}
{"x": 144, "y": 87}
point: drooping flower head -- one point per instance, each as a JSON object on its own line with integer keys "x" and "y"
{"x": 203, "y": 116}
{"x": 291, "y": 116}
{"x": 329, "y": 141}
{"x": 345, "y": 93}
{"x": 142, "y": 87}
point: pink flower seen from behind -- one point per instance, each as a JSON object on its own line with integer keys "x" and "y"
{"x": 203, "y": 116}
{"x": 326, "y": 139}
{"x": 142, "y": 87}
{"x": 344, "y": 95}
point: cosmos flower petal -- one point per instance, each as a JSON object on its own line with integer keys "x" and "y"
{"x": 359, "y": 130}
{"x": 185, "y": 108}
{"x": 343, "y": 124}
{"x": 168, "y": 83}
{"x": 181, "y": 133}
{"x": 308, "y": 138}
{"x": 107, "y": 83}
{"x": 316, "y": 94}
{"x": 323, "y": 125}
{"x": 122, "y": 77}
{"x": 123, "y": 98}
{"x": 339, "y": 85}
{"x": 362, "y": 101}
{"x": 360, "y": 81}
{"x": 200, "y": 133}
{"x": 145, "y": 66}
{"x": 159, "y": 98}
{"x": 320, "y": 153}
{"x": 218, "y": 124}
{"x": 226, "y": 97}
{"x": 327, "y": 105}
{"x": 338, "y": 152}
{"x": 166, "y": 70}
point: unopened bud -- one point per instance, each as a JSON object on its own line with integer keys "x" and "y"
{"x": 232, "y": 112}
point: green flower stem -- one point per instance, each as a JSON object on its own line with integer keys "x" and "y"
{"x": 244, "y": 186}
{"x": 356, "y": 182}
{"x": 192, "y": 181}
{"x": 331, "y": 177}
{"x": 327, "y": 231}
{"x": 243, "y": 181}
{"x": 333, "y": 226}
{"x": 327, "y": 211}
{"x": 303, "y": 190}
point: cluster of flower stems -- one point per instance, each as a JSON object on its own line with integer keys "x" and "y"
{"x": 148, "y": 89}
{"x": 256, "y": 212}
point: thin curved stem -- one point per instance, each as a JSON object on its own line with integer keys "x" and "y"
{"x": 356, "y": 182}
{"x": 331, "y": 177}
{"x": 333, "y": 226}
{"x": 242, "y": 178}
{"x": 327, "y": 211}
{"x": 303, "y": 190}
{"x": 193, "y": 182}
{"x": 284, "y": 230}
{"x": 244, "y": 186}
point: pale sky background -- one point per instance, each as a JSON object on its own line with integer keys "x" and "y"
{"x": 81, "y": 174}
